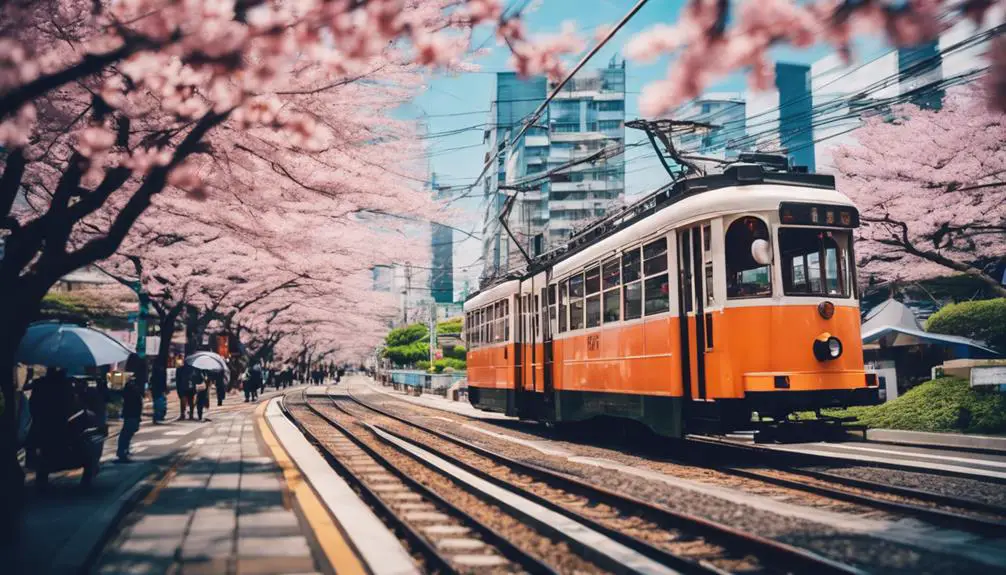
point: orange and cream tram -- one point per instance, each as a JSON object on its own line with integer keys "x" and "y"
{"x": 715, "y": 297}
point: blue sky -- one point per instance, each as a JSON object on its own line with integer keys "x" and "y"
{"x": 455, "y": 102}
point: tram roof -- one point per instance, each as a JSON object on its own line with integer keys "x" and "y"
{"x": 743, "y": 187}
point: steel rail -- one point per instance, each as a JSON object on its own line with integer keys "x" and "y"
{"x": 425, "y": 548}
{"x": 784, "y": 556}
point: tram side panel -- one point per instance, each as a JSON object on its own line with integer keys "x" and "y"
{"x": 628, "y": 371}
{"x": 490, "y": 375}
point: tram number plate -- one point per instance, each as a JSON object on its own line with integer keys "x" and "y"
{"x": 593, "y": 342}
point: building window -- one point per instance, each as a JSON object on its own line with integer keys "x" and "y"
{"x": 655, "y": 287}
{"x": 610, "y": 105}
{"x": 565, "y": 128}
{"x": 609, "y": 125}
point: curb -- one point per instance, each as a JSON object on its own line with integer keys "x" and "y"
{"x": 333, "y": 551}
{"x": 979, "y": 443}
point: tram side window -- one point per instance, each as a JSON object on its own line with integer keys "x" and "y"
{"x": 593, "y": 286}
{"x": 576, "y": 302}
{"x": 487, "y": 325}
{"x": 746, "y": 278}
{"x": 552, "y": 303}
{"x": 499, "y": 322}
{"x": 506, "y": 320}
{"x": 610, "y": 279}
{"x": 656, "y": 290}
{"x": 815, "y": 262}
{"x": 563, "y": 304}
{"x": 633, "y": 296}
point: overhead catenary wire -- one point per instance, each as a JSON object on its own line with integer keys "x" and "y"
{"x": 555, "y": 91}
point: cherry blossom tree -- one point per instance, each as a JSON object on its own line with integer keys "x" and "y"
{"x": 931, "y": 190}
{"x": 708, "y": 41}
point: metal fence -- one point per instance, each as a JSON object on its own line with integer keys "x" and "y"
{"x": 435, "y": 382}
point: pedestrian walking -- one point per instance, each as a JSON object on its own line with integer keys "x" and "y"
{"x": 132, "y": 408}
{"x": 159, "y": 393}
{"x": 201, "y": 394}
{"x": 253, "y": 383}
{"x": 183, "y": 387}
{"x": 221, "y": 387}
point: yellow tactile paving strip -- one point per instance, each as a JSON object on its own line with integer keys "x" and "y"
{"x": 337, "y": 549}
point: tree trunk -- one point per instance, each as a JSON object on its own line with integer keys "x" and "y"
{"x": 16, "y": 313}
{"x": 167, "y": 326}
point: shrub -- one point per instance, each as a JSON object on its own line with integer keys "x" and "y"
{"x": 946, "y": 404}
{"x": 423, "y": 365}
{"x": 448, "y": 362}
{"x": 409, "y": 353}
{"x": 983, "y": 320}
{"x": 405, "y": 335}
{"x": 455, "y": 352}
{"x": 449, "y": 327}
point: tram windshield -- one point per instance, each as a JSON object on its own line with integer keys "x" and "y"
{"x": 815, "y": 262}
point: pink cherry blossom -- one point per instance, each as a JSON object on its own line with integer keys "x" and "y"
{"x": 929, "y": 188}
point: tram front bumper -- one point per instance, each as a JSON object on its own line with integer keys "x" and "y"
{"x": 788, "y": 392}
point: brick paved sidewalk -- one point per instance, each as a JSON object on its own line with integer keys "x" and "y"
{"x": 220, "y": 509}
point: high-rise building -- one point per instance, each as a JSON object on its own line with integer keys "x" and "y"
{"x": 587, "y": 116}
{"x": 725, "y": 111}
{"x": 776, "y": 120}
{"x": 442, "y": 248}
{"x": 843, "y": 92}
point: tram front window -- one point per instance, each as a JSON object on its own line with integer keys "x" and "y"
{"x": 746, "y": 277}
{"x": 815, "y": 262}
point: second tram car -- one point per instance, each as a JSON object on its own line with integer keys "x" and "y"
{"x": 715, "y": 297}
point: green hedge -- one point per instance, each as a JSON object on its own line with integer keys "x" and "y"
{"x": 441, "y": 364}
{"x": 944, "y": 405}
{"x": 983, "y": 320}
{"x": 405, "y": 335}
{"x": 456, "y": 352}
{"x": 449, "y": 327}
{"x": 408, "y": 354}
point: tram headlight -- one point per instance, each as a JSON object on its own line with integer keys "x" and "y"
{"x": 827, "y": 347}
{"x": 826, "y": 309}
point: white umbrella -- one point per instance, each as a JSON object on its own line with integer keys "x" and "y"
{"x": 206, "y": 361}
{"x": 69, "y": 346}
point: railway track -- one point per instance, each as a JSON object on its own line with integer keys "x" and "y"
{"x": 683, "y": 543}
{"x": 443, "y": 537}
{"x": 788, "y": 471}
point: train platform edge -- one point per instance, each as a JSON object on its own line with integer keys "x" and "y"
{"x": 350, "y": 538}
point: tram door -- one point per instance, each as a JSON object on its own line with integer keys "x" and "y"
{"x": 691, "y": 304}
{"x": 547, "y": 317}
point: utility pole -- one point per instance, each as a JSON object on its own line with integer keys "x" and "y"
{"x": 408, "y": 293}
{"x": 141, "y": 319}
{"x": 433, "y": 332}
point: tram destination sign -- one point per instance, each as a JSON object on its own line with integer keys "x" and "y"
{"x": 829, "y": 215}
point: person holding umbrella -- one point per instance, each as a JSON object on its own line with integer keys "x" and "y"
{"x": 67, "y": 437}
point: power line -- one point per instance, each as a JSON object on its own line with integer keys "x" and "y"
{"x": 541, "y": 108}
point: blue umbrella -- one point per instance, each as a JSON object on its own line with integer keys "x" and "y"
{"x": 206, "y": 361}
{"x": 54, "y": 344}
